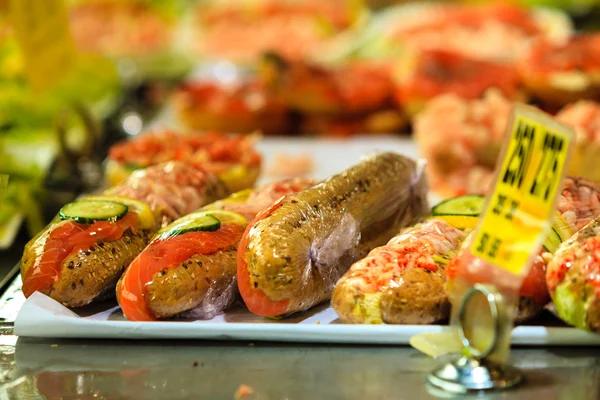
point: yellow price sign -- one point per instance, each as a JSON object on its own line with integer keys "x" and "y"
{"x": 527, "y": 183}
{"x": 42, "y": 30}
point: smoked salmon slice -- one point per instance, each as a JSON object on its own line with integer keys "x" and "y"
{"x": 163, "y": 254}
{"x": 66, "y": 238}
{"x": 255, "y": 299}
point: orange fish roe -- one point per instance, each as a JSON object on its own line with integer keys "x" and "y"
{"x": 592, "y": 265}
{"x": 590, "y": 252}
{"x": 557, "y": 275}
{"x": 414, "y": 248}
{"x": 161, "y": 146}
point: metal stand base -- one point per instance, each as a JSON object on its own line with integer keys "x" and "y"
{"x": 470, "y": 374}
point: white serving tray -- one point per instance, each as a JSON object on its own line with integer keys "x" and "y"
{"x": 41, "y": 316}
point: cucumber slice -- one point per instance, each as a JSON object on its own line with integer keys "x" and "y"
{"x": 203, "y": 223}
{"x": 89, "y": 211}
{"x": 145, "y": 214}
{"x": 468, "y": 205}
{"x": 229, "y": 217}
{"x": 202, "y": 220}
{"x": 560, "y": 226}
{"x": 552, "y": 241}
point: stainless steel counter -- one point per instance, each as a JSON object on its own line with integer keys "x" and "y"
{"x": 210, "y": 370}
{"x": 102, "y": 369}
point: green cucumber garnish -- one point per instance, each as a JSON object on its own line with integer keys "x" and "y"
{"x": 468, "y": 205}
{"x": 89, "y": 211}
{"x": 204, "y": 223}
{"x": 552, "y": 241}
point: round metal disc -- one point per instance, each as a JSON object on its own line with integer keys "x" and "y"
{"x": 495, "y": 302}
{"x": 470, "y": 374}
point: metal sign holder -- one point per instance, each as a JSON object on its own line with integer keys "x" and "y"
{"x": 473, "y": 371}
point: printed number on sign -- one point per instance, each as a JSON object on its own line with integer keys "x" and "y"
{"x": 547, "y": 174}
{"x": 519, "y": 159}
{"x": 489, "y": 245}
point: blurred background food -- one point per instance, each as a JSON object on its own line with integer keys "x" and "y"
{"x": 241, "y": 31}
{"x": 145, "y": 38}
{"x": 444, "y": 72}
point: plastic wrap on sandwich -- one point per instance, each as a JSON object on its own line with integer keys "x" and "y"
{"x": 81, "y": 254}
{"x": 293, "y": 253}
{"x": 189, "y": 268}
{"x": 402, "y": 282}
{"x": 172, "y": 189}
